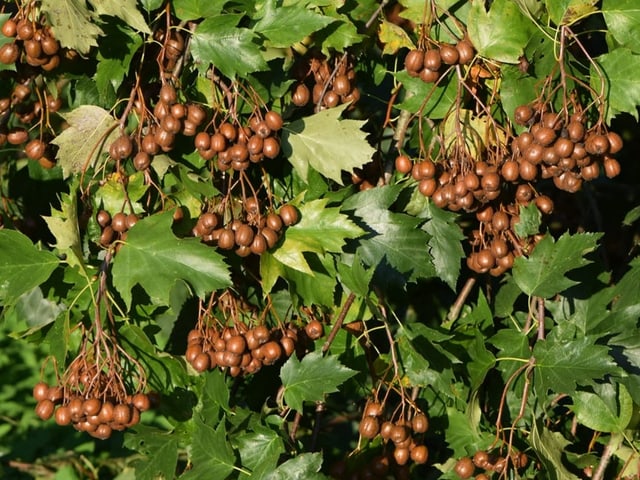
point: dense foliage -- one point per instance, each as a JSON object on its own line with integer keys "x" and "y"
{"x": 309, "y": 239}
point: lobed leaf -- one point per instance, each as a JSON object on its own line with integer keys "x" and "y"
{"x": 211, "y": 453}
{"x": 312, "y": 378}
{"x": 622, "y": 89}
{"x": 153, "y": 257}
{"x": 623, "y": 22}
{"x": 72, "y": 23}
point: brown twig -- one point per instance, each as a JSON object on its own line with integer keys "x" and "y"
{"x": 462, "y": 297}
{"x": 339, "y": 321}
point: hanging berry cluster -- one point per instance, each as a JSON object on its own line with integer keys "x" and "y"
{"x": 34, "y": 43}
{"x": 487, "y": 463}
{"x": 102, "y": 389}
{"x": 327, "y": 82}
{"x": 484, "y": 168}
{"x": 240, "y": 346}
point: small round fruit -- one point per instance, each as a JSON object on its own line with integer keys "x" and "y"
{"x": 35, "y": 149}
{"x": 314, "y": 329}
{"x": 44, "y": 409}
{"x": 401, "y": 455}
{"x": 273, "y": 120}
{"x": 289, "y": 214}
{"x": 615, "y": 142}
{"x": 464, "y": 468}
{"x": 141, "y": 161}
{"x": 122, "y": 414}
{"x": 523, "y": 114}
{"x": 9, "y": 28}
{"x": 597, "y": 144}
{"x": 373, "y": 409}
{"x": 40, "y": 391}
{"x": 420, "y": 423}
{"x": 244, "y": 235}
{"x": 91, "y": 406}
{"x": 403, "y": 164}
{"x": 301, "y": 95}
{"x": 449, "y": 54}
{"x": 274, "y": 222}
{"x": 63, "y": 415}
{"x": 465, "y": 51}
{"x": 369, "y": 427}
{"x": 9, "y": 53}
{"x": 141, "y": 402}
{"x": 611, "y": 167}
{"x": 413, "y": 62}
{"x": 236, "y": 344}
{"x": 481, "y": 459}
{"x": 270, "y": 147}
{"x": 490, "y": 182}
{"x": 544, "y": 204}
{"x": 17, "y": 136}
{"x": 420, "y": 454}
{"x": 510, "y": 171}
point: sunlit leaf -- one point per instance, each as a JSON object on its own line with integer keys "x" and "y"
{"x": 622, "y": 84}
{"x": 72, "y": 23}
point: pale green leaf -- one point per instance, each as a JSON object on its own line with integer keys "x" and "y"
{"x": 500, "y": 33}
{"x": 211, "y": 453}
{"x": 594, "y": 413}
{"x": 260, "y": 449}
{"x": 549, "y": 447}
{"x": 623, "y": 22}
{"x": 270, "y": 270}
{"x": 304, "y": 466}
{"x": 433, "y": 101}
{"x": 530, "y": 218}
{"x": 327, "y": 144}
{"x": 22, "y": 265}
{"x": 231, "y": 49}
{"x": 543, "y": 273}
{"x": 155, "y": 258}
{"x": 463, "y": 434}
{"x": 96, "y": 127}
{"x": 126, "y": 10}
{"x": 312, "y": 378}
{"x": 338, "y": 35}
{"x": 621, "y": 67}
{"x": 565, "y": 12}
{"x": 285, "y": 25}
{"x": 415, "y": 10}
{"x": 393, "y": 38}
{"x": 36, "y": 310}
{"x": 194, "y": 9}
{"x": 63, "y": 224}
{"x": 159, "y": 450}
{"x": 632, "y": 216}
{"x": 561, "y": 365}
{"x": 320, "y": 229}
{"x": 72, "y": 23}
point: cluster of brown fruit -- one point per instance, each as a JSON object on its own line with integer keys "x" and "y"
{"x": 116, "y": 227}
{"x": 454, "y": 189}
{"x": 326, "y": 82}
{"x": 243, "y": 350}
{"x": 24, "y": 107}
{"x": 237, "y": 146}
{"x": 560, "y": 147}
{"x": 406, "y": 433}
{"x": 466, "y": 466}
{"x": 33, "y": 43}
{"x": 494, "y": 243}
{"x": 255, "y": 234}
{"x": 430, "y": 64}
{"x": 93, "y": 405}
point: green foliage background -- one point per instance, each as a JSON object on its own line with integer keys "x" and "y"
{"x": 548, "y": 353}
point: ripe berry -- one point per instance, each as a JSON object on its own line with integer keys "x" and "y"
{"x": 413, "y": 62}
{"x": 369, "y": 427}
{"x": 44, "y": 409}
{"x": 40, "y": 391}
{"x": 420, "y": 423}
{"x": 465, "y": 51}
{"x": 300, "y": 96}
{"x": 403, "y": 164}
{"x": 449, "y": 54}
{"x": 314, "y": 329}
{"x": 419, "y": 454}
{"x": 9, "y": 28}
{"x": 523, "y": 114}
{"x": 289, "y": 214}
{"x": 464, "y": 468}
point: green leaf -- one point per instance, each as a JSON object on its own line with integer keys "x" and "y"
{"x": 215, "y": 394}
{"x": 211, "y": 453}
{"x": 160, "y": 450}
{"x": 355, "y": 276}
{"x": 565, "y": 12}
{"x": 433, "y": 101}
{"x": 395, "y": 237}
{"x": 194, "y": 9}
{"x": 64, "y": 227}
{"x": 549, "y": 447}
{"x": 320, "y": 230}
{"x": 260, "y": 450}
{"x": 561, "y": 365}
{"x": 115, "y": 52}
{"x": 501, "y": 33}
{"x": 312, "y": 378}
{"x": 126, "y": 10}
{"x": 482, "y": 360}
{"x": 338, "y": 35}
{"x": 284, "y": 25}
{"x": 463, "y": 434}
{"x": 326, "y": 143}
{"x": 72, "y": 23}
{"x": 623, "y": 22}
{"x": 317, "y": 288}
{"x": 445, "y": 244}
{"x": 36, "y": 310}
{"x": 530, "y": 218}
{"x": 155, "y": 258}
{"x": 305, "y": 465}
{"x": 543, "y": 273}
{"x": 231, "y": 49}
{"x": 393, "y": 38}
{"x": 22, "y": 266}
{"x": 594, "y": 413}
{"x": 96, "y": 127}
{"x": 626, "y": 291}
{"x": 622, "y": 81}
{"x": 632, "y": 216}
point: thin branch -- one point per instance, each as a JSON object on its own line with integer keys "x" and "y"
{"x": 462, "y": 297}
{"x": 339, "y": 321}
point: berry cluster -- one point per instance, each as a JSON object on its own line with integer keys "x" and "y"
{"x": 243, "y": 350}
{"x": 560, "y": 147}
{"x": 432, "y": 63}
{"x": 236, "y": 146}
{"x": 466, "y": 467}
{"x": 327, "y": 82}
{"x": 34, "y": 43}
{"x": 255, "y": 234}
{"x": 406, "y": 432}
{"x": 114, "y": 228}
